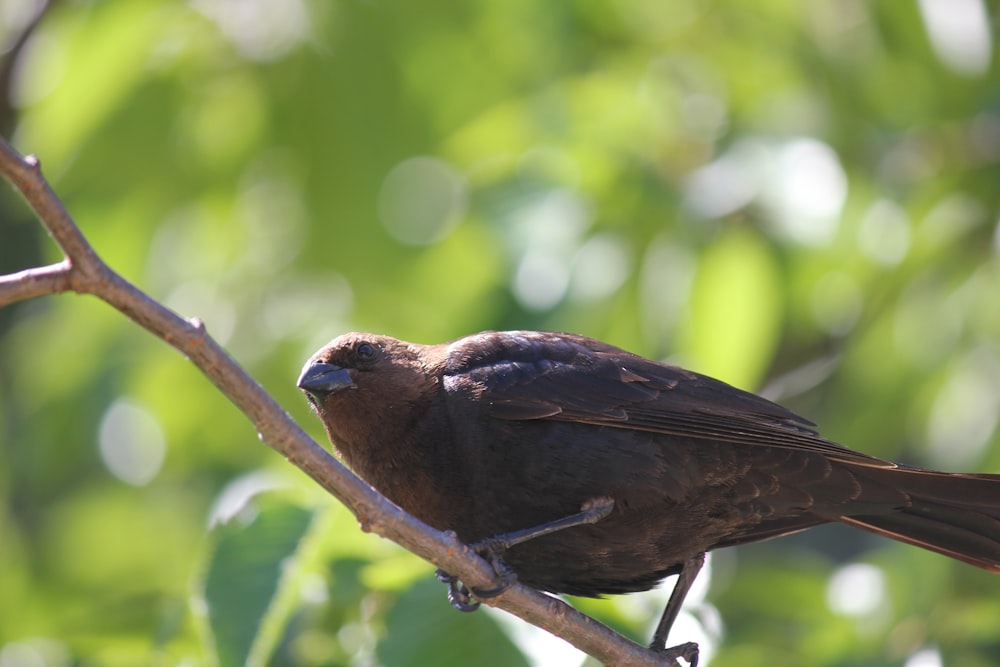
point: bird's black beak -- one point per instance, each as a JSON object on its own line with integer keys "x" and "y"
{"x": 319, "y": 379}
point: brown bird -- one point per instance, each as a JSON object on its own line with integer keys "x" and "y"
{"x": 598, "y": 471}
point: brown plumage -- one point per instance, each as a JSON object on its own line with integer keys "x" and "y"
{"x": 502, "y": 431}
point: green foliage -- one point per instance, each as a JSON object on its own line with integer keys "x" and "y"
{"x": 251, "y": 564}
{"x": 419, "y": 630}
{"x": 798, "y": 197}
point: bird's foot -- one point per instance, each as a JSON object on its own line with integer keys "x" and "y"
{"x": 688, "y": 651}
{"x": 467, "y": 598}
{"x": 493, "y": 548}
{"x": 505, "y": 578}
{"x": 459, "y": 595}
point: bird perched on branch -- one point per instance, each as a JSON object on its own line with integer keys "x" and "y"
{"x": 580, "y": 468}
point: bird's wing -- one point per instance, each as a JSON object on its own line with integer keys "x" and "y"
{"x": 564, "y": 377}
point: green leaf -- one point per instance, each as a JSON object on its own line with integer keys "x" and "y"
{"x": 247, "y": 583}
{"x": 423, "y": 629}
{"x": 732, "y": 328}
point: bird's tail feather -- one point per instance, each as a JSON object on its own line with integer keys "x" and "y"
{"x": 957, "y": 515}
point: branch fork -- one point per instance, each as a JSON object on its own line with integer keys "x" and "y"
{"x": 84, "y": 272}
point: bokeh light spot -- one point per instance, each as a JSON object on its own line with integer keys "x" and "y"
{"x": 928, "y": 657}
{"x": 600, "y": 268}
{"x": 959, "y": 31}
{"x": 547, "y": 232}
{"x": 195, "y": 298}
{"x": 884, "y": 234}
{"x": 35, "y": 652}
{"x": 965, "y": 412}
{"x": 806, "y": 191}
{"x": 131, "y": 442}
{"x": 259, "y": 29}
{"x": 856, "y": 590}
{"x": 421, "y": 200}
{"x": 729, "y": 183}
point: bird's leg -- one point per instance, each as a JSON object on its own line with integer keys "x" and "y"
{"x": 685, "y": 578}
{"x": 493, "y": 548}
{"x": 592, "y": 511}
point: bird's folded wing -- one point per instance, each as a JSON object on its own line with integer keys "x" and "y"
{"x": 570, "y": 379}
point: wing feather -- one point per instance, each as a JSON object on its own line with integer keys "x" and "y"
{"x": 535, "y": 375}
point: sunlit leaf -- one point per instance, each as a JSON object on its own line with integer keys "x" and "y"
{"x": 423, "y": 629}
{"x": 248, "y": 574}
{"x": 735, "y": 315}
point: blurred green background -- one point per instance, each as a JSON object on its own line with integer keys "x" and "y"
{"x": 800, "y": 198}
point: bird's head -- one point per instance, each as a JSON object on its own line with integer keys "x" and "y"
{"x": 362, "y": 385}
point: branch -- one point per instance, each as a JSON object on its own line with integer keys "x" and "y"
{"x": 32, "y": 283}
{"x": 84, "y": 272}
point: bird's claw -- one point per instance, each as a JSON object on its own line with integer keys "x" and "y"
{"x": 465, "y": 598}
{"x": 459, "y": 595}
{"x": 688, "y": 651}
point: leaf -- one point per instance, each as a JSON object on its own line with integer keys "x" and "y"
{"x": 423, "y": 629}
{"x": 248, "y": 579}
{"x": 732, "y": 328}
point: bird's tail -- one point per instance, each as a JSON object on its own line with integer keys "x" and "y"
{"x": 955, "y": 514}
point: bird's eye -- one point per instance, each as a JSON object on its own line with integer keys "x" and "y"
{"x": 365, "y": 351}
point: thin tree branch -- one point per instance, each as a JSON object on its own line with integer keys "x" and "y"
{"x": 84, "y": 272}
{"x": 32, "y": 283}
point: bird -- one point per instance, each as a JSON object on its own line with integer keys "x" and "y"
{"x": 580, "y": 468}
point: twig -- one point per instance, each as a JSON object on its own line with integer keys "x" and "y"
{"x": 84, "y": 272}
{"x": 32, "y": 283}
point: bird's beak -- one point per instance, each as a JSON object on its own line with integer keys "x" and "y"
{"x": 320, "y": 379}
